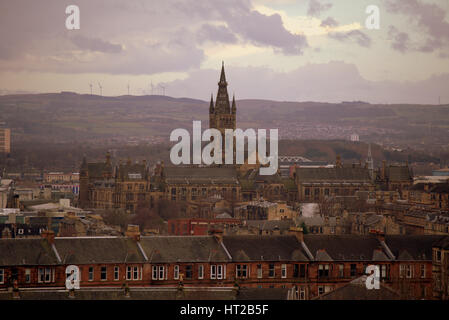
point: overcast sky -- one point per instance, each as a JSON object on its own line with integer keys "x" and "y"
{"x": 297, "y": 50}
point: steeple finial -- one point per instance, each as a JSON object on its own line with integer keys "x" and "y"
{"x": 233, "y": 103}
{"x": 222, "y": 75}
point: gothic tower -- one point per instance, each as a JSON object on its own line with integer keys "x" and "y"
{"x": 222, "y": 115}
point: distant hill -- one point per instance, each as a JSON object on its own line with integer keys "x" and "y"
{"x": 67, "y": 116}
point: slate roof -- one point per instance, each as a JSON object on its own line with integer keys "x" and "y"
{"x": 264, "y": 248}
{"x": 412, "y": 247}
{"x": 119, "y": 294}
{"x": 399, "y": 173}
{"x": 333, "y": 174}
{"x": 22, "y": 252}
{"x": 200, "y": 175}
{"x": 357, "y": 290}
{"x": 262, "y": 294}
{"x": 270, "y": 224}
{"x": 442, "y": 243}
{"x": 342, "y": 247}
{"x": 98, "y": 250}
{"x": 162, "y": 249}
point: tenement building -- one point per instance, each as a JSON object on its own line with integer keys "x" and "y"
{"x": 310, "y": 265}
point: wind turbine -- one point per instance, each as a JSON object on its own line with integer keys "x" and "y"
{"x": 152, "y": 88}
{"x": 128, "y": 88}
{"x": 90, "y": 85}
{"x": 163, "y": 89}
{"x": 101, "y": 89}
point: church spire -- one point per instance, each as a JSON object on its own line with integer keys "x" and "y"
{"x": 211, "y": 107}
{"x": 222, "y": 76}
{"x": 233, "y": 104}
{"x": 222, "y": 105}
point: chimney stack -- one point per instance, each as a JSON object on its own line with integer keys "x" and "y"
{"x": 218, "y": 235}
{"x": 133, "y": 232}
{"x": 49, "y": 235}
{"x": 297, "y": 232}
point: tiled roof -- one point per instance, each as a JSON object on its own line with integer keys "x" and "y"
{"x": 18, "y": 252}
{"x": 161, "y": 249}
{"x": 264, "y": 248}
{"x": 333, "y": 174}
{"x": 206, "y": 175}
{"x": 98, "y": 250}
{"x": 343, "y": 247}
{"x": 412, "y": 247}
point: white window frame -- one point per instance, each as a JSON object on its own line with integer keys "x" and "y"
{"x": 200, "y": 271}
{"x": 259, "y": 271}
{"x": 176, "y": 272}
{"x": 91, "y": 276}
{"x": 423, "y": 270}
{"x": 213, "y": 271}
{"x": 2, "y": 275}
{"x": 302, "y": 293}
{"x": 161, "y": 273}
{"x": 27, "y": 276}
{"x": 219, "y": 271}
{"x": 105, "y": 273}
{"x": 135, "y": 273}
{"x": 129, "y": 273}
{"x": 283, "y": 271}
{"x": 154, "y": 273}
{"x": 116, "y": 273}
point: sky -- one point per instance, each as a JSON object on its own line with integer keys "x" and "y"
{"x": 285, "y": 50}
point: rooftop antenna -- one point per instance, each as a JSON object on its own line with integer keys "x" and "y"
{"x": 101, "y": 89}
{"x": 128, "y": 88}
{"x": 90, "y": 85}
{"x": 439, "y": 100}
{"x": 163, "y": 89}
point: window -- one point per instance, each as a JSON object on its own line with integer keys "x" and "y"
{"x": 384, "y": 271}
{"x": 353, "y": 269}
{"x": 341, "y": 270}
{"x": 154, "y": 273}
{"x": 2, "y": 276}
{"x": 103, "y": 273}
{"x": 423, "y": 271}
{"x": 320, "y": 290}
{"x": 116, "y": 273}
{"x": 241, "y": 270}
{"x": 161, "y": 272}
{"x": 302, "y": 293}
{"x": 219, "y": 271}
{"x": 259, "y": 271}
{"x": 91, "y": 274}
{"x": 438, "y": 255}
{"x": 402, "y": 271}
{"x": 176, "y": 272}
{"x": 200, "y": 271}
{"x": 46, "y": 275}
{"x": 213, "y": 271}
{"x": 323, "y": 270}
{"x": 27, "y": 276}
{"x": 129, "y": 272}
{"x": 284, "y": 271}
{"x": 271, "y": 272}
{"x": 136, "y": 273}
{"x": 189, "y": 273}
{"x": 302, "y": 270}
{"x": 295, "y": 270}
{"x": 409, "y": 271}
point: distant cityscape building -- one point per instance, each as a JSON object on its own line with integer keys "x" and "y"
{"x": 5, "y": 139}
{"x": 354, "y": 137}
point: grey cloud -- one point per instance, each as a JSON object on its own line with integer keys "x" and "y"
{"x": 329, "y": 22}
{"x": 95, "y": 44}
{"x": 354, "y": 35}
{"x": 316, "y": 7}
{"x": 213, "y": 33}
{"x": 266, "y": 30}
{"x": 429, "y": 17}
{"x": 399, "y": 39}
